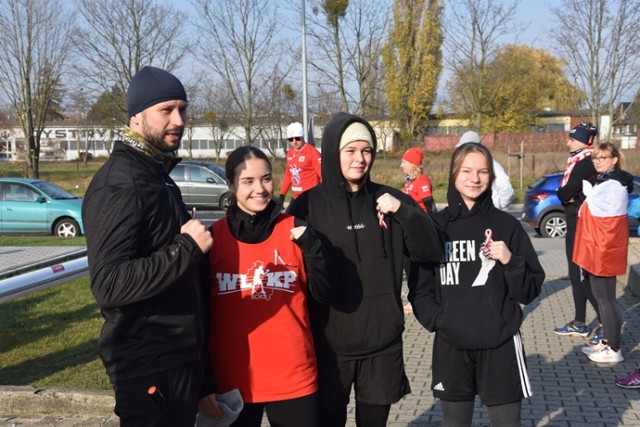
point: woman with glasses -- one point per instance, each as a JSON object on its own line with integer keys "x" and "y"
{"x": 602, "y": 237}
{"x": 302, "y": 171}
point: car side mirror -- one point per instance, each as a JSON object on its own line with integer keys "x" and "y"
{"x": 40, "y": 199}
{"x": 211, "y": 181}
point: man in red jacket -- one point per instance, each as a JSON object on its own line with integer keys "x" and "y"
{"x": 303, "y": 164}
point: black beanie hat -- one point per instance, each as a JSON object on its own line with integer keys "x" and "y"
{"x": 584, "y": 132}
{"x": 152, "y": 85}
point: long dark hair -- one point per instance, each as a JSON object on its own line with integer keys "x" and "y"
{"x": 238, "y": 156}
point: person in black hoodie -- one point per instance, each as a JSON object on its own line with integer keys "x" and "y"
{"x": 144, "y": 254}
{"x": 472, "y": 298}
{"x": 367, "y": 228}
{"x": 579, "y": 168}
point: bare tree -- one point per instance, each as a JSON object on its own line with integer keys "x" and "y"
{"x": 35, "y": 39}
{"x": 217, "y": 113}
{"x": 117, "y": 38}
{"x": 475, "y": 31}
{"x": 278, "y": 108}
{"x": 346, "y": 43}
{"x": 367, "y": 22}
{"x": 239, "y": 46}
{"x": 602, "y": 49}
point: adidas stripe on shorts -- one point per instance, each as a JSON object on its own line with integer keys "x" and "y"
{"x": 497, "y": 375}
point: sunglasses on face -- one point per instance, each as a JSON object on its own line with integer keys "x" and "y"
{"x": 297, "y": 138}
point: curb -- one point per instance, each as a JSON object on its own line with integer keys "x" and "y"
{"x": 20, "y": 401}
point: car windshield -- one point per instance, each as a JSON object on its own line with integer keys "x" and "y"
{"x": 219, "y": 170}
{"x": 53, "y": 191}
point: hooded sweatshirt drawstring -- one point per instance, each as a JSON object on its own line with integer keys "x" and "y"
{"x": 381, "y": 230}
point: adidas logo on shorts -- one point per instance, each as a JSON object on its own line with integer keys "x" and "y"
{"x": 439, "y": 387}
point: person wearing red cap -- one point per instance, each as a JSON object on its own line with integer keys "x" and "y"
{"x": 418, "y": 184}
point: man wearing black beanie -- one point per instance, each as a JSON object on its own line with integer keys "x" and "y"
{"x": 145, "y": 254}
{"x": 579, "y": 168}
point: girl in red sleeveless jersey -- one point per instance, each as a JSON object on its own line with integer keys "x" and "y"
{"x": 262, "y": 262}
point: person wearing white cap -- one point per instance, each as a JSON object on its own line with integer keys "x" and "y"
{"x": 368, "y": 228}
{"x": 302, "y": 171}
{"x": 502, "y": 193}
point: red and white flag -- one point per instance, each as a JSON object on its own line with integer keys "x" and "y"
{"x": 602, "y": 233}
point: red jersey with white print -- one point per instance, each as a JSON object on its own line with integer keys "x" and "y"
{"x": 418, "y": 189}
{"x": 302, "y": 171}
{"x": 260, "y": 335}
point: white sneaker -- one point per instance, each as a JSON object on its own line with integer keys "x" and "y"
{"x": 590, "y": 349}
{"x": 606, "y": 355}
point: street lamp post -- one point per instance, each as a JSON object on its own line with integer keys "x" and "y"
{"x": 305, "y": 118}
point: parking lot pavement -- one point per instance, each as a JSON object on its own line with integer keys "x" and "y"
{"x": 568, "y": 389}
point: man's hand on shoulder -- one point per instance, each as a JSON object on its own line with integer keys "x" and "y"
{"x": 198, "y": 233}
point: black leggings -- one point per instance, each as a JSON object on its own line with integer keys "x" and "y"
{"x": 367, "y": 415}
{"x": 604, "y": 289}
{"x": 283, "y": 413}
{"x": 460, "y": 414}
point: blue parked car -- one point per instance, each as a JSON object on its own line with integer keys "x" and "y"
{"x": 32, "y": 206}
{"x": 544, "y": 212}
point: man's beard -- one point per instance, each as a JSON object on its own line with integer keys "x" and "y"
{"x": 156, "y": 139}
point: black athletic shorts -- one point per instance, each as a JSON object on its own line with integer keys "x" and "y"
{"x": 377, "y": 380}
{"x": 497, "y": 375}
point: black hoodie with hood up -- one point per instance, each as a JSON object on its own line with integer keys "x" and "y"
{"x": 366, "y": 259}
{"x": 452, "y": 298}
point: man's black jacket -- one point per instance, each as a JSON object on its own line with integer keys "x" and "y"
{"x": 144, "y": 274}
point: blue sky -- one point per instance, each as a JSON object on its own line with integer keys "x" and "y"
{"x": 539, "y": 17}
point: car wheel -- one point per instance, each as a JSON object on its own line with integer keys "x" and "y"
{"x": 225, "y": 201}
{"x": 66, "y": 227}
{"x": 553, "y": 225}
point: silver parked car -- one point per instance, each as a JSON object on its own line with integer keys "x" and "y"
{"x": 202, "y": 184}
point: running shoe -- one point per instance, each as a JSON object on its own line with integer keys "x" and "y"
{"x": 605, "y": 354}
{"x": 597, "y": 335}
{"x": 572, "y": 329}
{"x": 630, "y": 381}
{"x": 592, "y": 348}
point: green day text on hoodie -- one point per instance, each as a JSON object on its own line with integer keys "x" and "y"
{"x": 459, "y": 251}
{"x": 263, "y": 279}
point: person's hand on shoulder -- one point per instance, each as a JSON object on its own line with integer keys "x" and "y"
{"x": 198, "y": 233}
{"x": 387, "y": 204}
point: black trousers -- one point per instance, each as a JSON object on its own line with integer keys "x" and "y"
{"x": 303, "y": 411}
{"x": 581, "y": 289}
{"x": 175, "y": 402}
